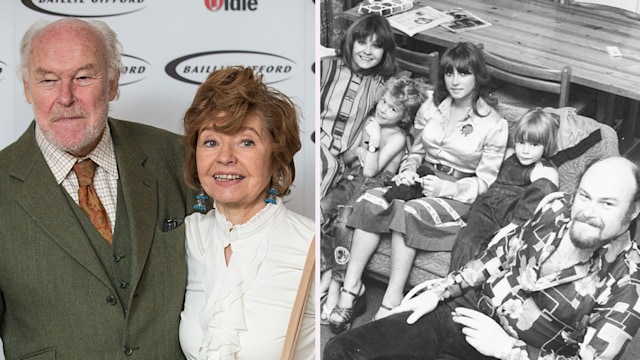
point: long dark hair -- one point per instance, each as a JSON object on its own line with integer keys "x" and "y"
{"x": 465, "y": 57}
{"x": 364, "y": 27}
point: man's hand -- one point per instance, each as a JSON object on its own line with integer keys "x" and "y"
{"x": 420, "y": 305}
{"x": 484, "y": 333}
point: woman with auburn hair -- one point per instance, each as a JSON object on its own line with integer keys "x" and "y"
{"x": 245, "y": 256}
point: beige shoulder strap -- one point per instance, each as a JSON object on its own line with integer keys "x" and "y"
{"x": 295, "y": 321}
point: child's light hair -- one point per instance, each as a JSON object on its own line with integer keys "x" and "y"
{"x": 540, "y": 127}
{"x": 410, "y": 93}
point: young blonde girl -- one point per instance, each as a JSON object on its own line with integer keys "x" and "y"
{"x": 375, "y": 160}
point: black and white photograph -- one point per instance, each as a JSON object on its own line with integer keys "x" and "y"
{"x": 479, "y": 195}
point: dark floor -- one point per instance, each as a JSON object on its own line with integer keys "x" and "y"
{"x": 375, "y": 290}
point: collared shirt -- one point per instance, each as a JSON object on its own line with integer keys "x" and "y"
{"x": 228, "y": 311}
{"x": 105, "y": 180}
{"x": 586, "y": 311}
{"x": 475, "y": 144}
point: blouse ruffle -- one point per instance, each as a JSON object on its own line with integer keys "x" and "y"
{"x": 223, "y": 315}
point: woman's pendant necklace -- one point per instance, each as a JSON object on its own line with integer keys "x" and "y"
{"x": 466, "y": 128}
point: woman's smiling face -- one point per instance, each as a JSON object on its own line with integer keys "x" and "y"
{"x": 235, "y": 169}
{"x": 367, "y": 53}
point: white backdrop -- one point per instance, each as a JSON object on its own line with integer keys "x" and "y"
{"x": 169, "y": 47}
{"x": 272, "y": 35}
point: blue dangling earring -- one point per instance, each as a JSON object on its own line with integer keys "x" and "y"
{"x": 201, "y": 201}
{"x": 271, "y": 196}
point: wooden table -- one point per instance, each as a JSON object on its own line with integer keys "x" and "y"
{"x": 548, "y": 34}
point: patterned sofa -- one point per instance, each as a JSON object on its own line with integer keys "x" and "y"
{"x": 573, "y": 128}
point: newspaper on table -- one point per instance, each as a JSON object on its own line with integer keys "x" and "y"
{"x": 463, "y": 20}
{"x": 420, "y": 19}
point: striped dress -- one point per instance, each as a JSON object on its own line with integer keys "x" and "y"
{"x": 346, "y": 99}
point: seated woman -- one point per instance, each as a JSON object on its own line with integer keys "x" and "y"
{"x": 351, "y": 83}
{"x": 245, "y": 257}
{"x": 525, "y": 178}
{"x": 463, "y": 140}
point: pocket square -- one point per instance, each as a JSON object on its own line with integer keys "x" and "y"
{"x": 171, "y": 224}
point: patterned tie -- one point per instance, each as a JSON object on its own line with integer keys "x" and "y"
{"x": 88, "y": 199}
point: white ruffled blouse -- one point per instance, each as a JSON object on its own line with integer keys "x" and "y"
{"x": 242, "y": 311}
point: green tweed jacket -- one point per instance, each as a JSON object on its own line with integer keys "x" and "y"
{"x": 56, "y": 297}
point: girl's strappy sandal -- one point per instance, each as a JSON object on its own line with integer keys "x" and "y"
{"x": 347, "y": 315}
{"x": 388, "y": 308}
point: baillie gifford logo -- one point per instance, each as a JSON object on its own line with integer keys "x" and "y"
{"x": 85, "y": 8}
{"x": 135, "y": 69}
{"x": 194, "y": 68}
{"x": 231, "y": 5}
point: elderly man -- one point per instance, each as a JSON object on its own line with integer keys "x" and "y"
{"x": 565, "y": 285}
{"x": 87, "y": 269}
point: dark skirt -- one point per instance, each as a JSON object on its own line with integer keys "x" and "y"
{"x": 335, "y": 207}
{"x": 428, "y": 223}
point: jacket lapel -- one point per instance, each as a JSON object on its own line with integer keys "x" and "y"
{"x": 139, "y": 186}
{"x": 45, "y": 202}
